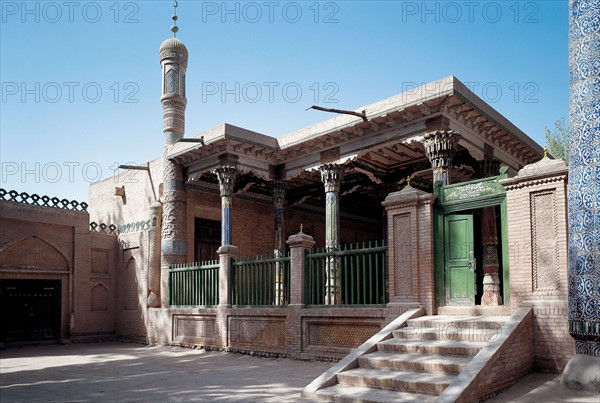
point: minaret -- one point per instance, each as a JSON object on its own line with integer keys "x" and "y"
{"x": 173, "y": 60}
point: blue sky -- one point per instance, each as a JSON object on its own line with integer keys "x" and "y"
{"x": 81, "y": 79}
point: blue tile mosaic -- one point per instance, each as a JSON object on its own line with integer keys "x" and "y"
{"x": 584, "y": 175}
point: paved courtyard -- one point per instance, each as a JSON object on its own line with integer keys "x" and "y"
{"x": 118, "y": 372}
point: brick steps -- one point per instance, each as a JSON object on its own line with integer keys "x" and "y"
{"x": 414, "y": 362}
{"x": 452, "y": 328}
{"x": 477, "y": 322}
{"x": 426, "y": 347}
{"x": 352, "y": 394}
{"x": 404, "y": 381}
{"x": 419, "y": 362}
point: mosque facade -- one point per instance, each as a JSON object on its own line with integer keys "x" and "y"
{"x": 309, "y": 244}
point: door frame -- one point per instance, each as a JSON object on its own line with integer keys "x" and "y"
{"x": 462, "y": 197}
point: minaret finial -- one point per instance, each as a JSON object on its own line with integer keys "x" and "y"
{"x": 174, "y": 27}
{"x": 546, "y": 152}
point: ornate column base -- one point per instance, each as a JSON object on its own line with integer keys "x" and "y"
{"x": 491, "y": 290}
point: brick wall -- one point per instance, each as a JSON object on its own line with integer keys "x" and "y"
{"x": 95, "y": 288}
{"x": 252, "y": 222}
{"x": 537, "y": 236}
{"x": 43, "y": 243}
{"x": 131, "y": 311}
{"x": 142, "y": 188}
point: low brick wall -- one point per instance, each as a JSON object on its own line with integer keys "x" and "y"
{"x": 499, "y": 365}
{"x": 310, "y": 333}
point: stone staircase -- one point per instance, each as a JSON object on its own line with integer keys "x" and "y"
{"x": 418, "y": 363}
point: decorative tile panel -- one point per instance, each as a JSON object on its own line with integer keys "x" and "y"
{"x": 584, "y": 173}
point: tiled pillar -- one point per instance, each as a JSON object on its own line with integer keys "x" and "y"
{"x": 173, "y": 239}
{"x": 278, "y": 192}
{"x": 331, "y": 175}
{"x": 299, "y": 244}
{"x": 584, "y": 188}
{"x": 440, "y": 147}
{"x": 226, "y": 176}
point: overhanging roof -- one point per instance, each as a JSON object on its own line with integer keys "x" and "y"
{"x": 389, "y": 137}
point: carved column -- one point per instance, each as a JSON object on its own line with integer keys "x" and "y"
{"x": 154, "y": 256}
{"x": 440, "y": 147}
{"x": 278, "y": 192}
{"x": 226, "y": 176}
{"x": 491, "y": 266}
{"x": 331, "y": 175}
{"x": 173, "y": 242}
{"x": 583, "y": 200}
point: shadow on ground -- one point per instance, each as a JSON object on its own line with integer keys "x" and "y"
{"x": 133, "y": 372}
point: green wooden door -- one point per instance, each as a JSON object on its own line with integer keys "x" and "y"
{"x": 459, "y": 260}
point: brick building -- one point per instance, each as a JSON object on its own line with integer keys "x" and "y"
{"x": 426, "y": 204}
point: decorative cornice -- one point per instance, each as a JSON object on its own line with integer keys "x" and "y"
{"x": 519, "y": 183}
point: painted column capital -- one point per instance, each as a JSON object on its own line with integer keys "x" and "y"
{"x": 226, "y": 176}
{"x": 331, "y": 175}
{"x": 440, "y": 147}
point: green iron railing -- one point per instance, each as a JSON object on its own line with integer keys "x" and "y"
{"x": 261, "y": 281}
{"x": 349, "y": 276}
{"x": 194, "y": 284}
